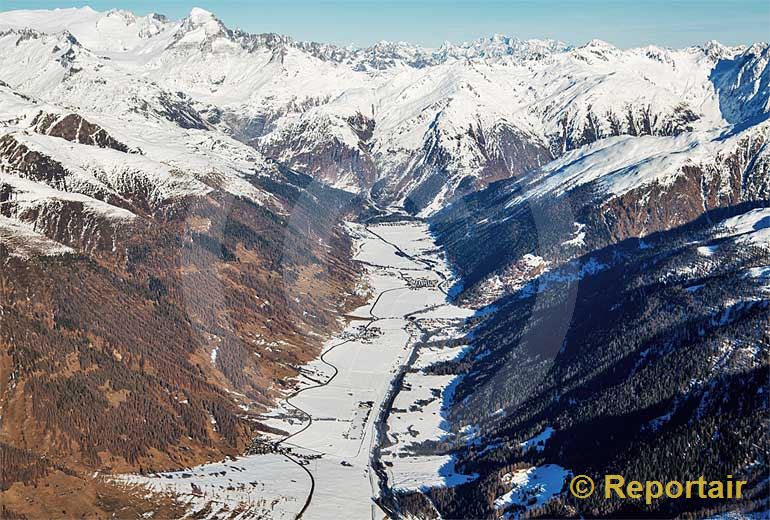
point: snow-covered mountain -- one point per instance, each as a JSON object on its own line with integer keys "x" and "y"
{"x": 603, "y": 193}
{"x": 415, "y": 126}
{"x": 181, "y": 271}
{"x": 172, "y": 246}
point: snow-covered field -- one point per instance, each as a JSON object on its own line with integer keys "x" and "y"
{"x": 258, "y": 486}
{"x": 336, "y": 444}
{"x": 532, "y": 487}
{"x": 752, "y": 227}
{"x": 418, "y": 411}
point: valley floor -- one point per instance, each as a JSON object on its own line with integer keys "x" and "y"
{"x": 367, "y": 384}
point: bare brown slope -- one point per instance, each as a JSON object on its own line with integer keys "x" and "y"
{"x": 106, "y": 358}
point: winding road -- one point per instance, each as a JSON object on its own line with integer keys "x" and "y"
{"x": 394, "y": 384}
{"x": 344, "y": 403}
{"x": 309, "y": 417}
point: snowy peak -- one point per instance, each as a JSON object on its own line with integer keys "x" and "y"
{"x": 114, "y": 31}
{"x": 199, "y": 27}
{"x": 597, "y": 44}
{"x": 384, "y": 54}
{"x": 200, "y": 18}
{"x": 743, "y": 84}
{"x": 716, "y": 51}
{"x": 200, "y": 15}
{"x": 424, "y": 125}
{"x": 127, "y": 17}
{"x": 120, "y": 30}
{"x": 125, "y": 24}
{"x": 500, "y": 45}
{"x": 597, "y": 50}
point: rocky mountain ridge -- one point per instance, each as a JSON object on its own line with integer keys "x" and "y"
{"x": 414, "y": 127}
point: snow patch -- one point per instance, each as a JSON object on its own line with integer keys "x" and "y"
{"x": 538, "y": 441}
{"x": 532, "y": 487}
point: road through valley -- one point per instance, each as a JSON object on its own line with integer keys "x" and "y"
{"x": 322, "y": 467}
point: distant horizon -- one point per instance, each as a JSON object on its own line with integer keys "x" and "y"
{"x": 430, "y": 23}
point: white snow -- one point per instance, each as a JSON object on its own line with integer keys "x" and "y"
{"x": 112, "y": 31}
{"x": 92, "y": 169}
{"x": 532, "y": 487}
{"x": 29, "y": 195}
{"x": 418, "y": 411}
{"x": 538, "y": 441}
{"x": 752, "y": 227}
{"x": 579, "y": 238}
{"x": 133, "y": 75}
{"x": 495, "y": 86}
{"x": 759, "y": 272}
{"x": 618, "y": 165}
{"x": 257, "y": 486}
{"x": 761, "y": 275}
{"x": 427, "y": 471}
{"x": 707, "y": 250}
{"x": 342, "y": 429}
{"x": 23, "y": 241}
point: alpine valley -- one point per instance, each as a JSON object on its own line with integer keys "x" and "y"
{"x": 244, "y": 276}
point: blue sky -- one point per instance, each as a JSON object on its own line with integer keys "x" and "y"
{"x": 625, "y": 23}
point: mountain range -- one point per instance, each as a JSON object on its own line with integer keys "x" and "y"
{"x": 414, "y": 127}
{"x": 147, "y": 164}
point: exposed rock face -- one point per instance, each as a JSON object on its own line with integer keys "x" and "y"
{"x": 333, "y": 161}
{"x": 631, "y": 197}
{"x": 577, "y": 131}
{"x": 613, "y": 275}
{"x": 179, "y": 110}
{"x": 736, "y": 176}
{"x": 30, "y": 164}
{"x": 430, "y": 179}
{"x": 460, "y": 148}
{"x": 74, "y": 128}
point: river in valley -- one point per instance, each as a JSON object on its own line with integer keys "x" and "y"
{"x": 368, "y": 384}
